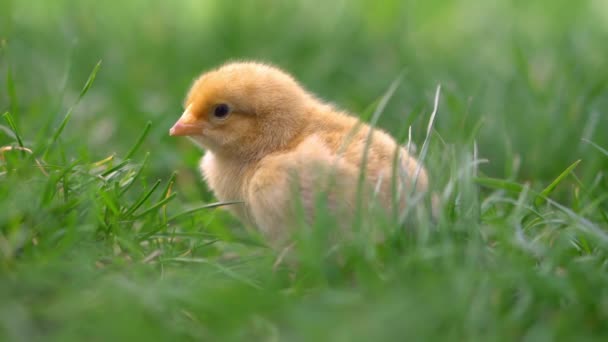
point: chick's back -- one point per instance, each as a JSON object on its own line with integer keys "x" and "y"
{"x": 328, "y": 159}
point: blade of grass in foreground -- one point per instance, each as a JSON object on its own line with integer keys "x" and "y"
{"x": 368, "y": 140}
{"x": 90, "y": 80}
{"x": 136, "y": 175}
{"x": 9, "y": 119}
{"x": 66, "y": 118}
{"x": 421, "y": 157}
{"x": 139, "y": 141}
{"x": 206, "y": 206}
{"x": 541, "y": 198}
{"x": 52, "y": 183}
{"x": 114, "y": 168}
{"x": 586, "y": 225}
{"x": 499, "y": 184}
{"x": 167, "y": 192}
{"x": 169, "y": 185}
{"x": 598, "y": 147}
{"x": 425, "y": 143}
{"x": 157, "y": 205}
{"x": 142, "y": 200}
{"x": 12, "y": 93}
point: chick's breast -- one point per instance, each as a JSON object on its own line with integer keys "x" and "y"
{"x": 285, "y": 185}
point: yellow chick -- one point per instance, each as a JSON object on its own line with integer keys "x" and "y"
{"x": 273, "y": 145}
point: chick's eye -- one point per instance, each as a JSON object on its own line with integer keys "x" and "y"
{"x": 221, "y": 111}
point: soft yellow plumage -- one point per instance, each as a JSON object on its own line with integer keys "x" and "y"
{"x": 268, "y": 140}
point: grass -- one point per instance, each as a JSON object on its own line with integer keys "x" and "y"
{"x": 107, "y": 231}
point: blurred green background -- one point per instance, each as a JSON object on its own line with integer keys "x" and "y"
{"x": 524, "y": 80}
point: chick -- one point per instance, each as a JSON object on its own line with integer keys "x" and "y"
{"x": 273, "y": 145}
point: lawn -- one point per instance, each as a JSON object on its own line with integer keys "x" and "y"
{"x": 107, "y": 231}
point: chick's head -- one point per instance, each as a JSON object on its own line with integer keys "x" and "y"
{"x": 244, "y": 109}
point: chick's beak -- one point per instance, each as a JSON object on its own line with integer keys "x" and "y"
{"x": 187, "y": 125}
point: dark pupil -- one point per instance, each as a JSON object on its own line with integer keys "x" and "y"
{"x": 221, "y": 110}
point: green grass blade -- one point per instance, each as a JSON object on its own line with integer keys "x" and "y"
{"x": 115, "y": 168}
{"x": 169, "y": 185}
{"x": 206, "y": 206}
{"x": 67, "y": 116}
{"x": 166, "y": 192}
{"x": 586, "y": 225}
{"x": 598, "y": 147}
{"x": 368, "y": 140}
{"x": 52, "y": 183}
{"x": 142, "y": 200}
{"x": 499, "y": 184}
{"x": 58, "y": 131}
{"x": 89, "y": 81}
{"x": 139, "y": 140}
{"x": 12, "y": 93}
{"x": 157, "y": 205}
{"x": 9, "y": 119}
{"x": 137, "y": 174}
{"x": 109, "y": 202}
{"x": 540, "y": 199}
{"x": 8, "y": 132}
{"x": 425, "y": 143}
